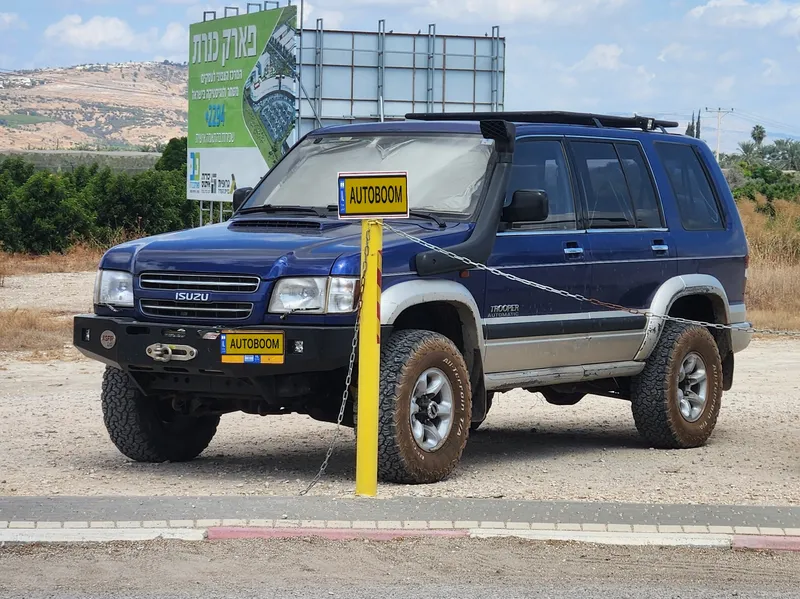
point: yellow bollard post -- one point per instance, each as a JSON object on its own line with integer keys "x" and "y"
{"x": 369, "y": 362}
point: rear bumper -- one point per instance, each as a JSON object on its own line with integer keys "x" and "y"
{"x": 740, "y": 336}
{"x": 123, "y": 343}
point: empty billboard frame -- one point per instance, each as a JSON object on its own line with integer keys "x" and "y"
{"x": 359, "y": 76}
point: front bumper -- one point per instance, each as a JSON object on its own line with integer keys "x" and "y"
{"x": 123, "y": 343}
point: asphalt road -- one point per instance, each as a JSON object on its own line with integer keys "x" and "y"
{"x": 410, "y": 568}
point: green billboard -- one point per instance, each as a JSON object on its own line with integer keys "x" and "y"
{"x": 242, "y": 99}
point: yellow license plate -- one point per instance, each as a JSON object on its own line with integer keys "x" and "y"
{"x": 247, "y": 347}
{"x": 380, "y": 195}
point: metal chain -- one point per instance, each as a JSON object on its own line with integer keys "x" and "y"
{"x": 582, "y": 298}
{"x": 349, "y": 378}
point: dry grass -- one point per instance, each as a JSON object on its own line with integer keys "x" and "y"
{"x": 81, "y": 258}
{"x": 773, "y": 287}
{"x": 35, "y": 331}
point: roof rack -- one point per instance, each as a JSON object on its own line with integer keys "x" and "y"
{"x": 551, "y": 118}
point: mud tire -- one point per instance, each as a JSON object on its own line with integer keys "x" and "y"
{"x": 404, "y": 357}
{"x": 654, "y": 398}
{"x": 137, "y": 426}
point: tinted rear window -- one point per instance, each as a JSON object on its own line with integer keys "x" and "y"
{"x": 698, "y": 205}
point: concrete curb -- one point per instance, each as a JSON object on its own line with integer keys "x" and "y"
{"x": 736, "y": 538}
{"x": 613, "y": 538}
{"x": 99, "y": 535}
{"x": 341, "y": 534}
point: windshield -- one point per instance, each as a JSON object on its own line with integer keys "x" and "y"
{"x": 445, "y": 172}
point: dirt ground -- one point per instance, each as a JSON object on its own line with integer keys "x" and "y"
{"x": 53, "y": 442}
{"x": 410, "y": 568}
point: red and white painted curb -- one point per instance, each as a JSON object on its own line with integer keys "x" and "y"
{"x": 724, "y": 537}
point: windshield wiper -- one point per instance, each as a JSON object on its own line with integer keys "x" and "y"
{"x": 414, "y": 213}
{"x": 267, "y": 208}
{"x": 429, "y": 216}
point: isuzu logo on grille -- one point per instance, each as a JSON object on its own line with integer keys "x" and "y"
{"x": 188, "y": 296}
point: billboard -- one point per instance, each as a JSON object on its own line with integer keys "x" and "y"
{"x": 242, "y": 99}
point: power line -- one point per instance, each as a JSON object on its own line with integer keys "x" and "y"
{"x": 721, "y": 113}
{"x": 778, "y": 126}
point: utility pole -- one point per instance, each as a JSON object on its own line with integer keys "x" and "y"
{"x": 721, "y": 113}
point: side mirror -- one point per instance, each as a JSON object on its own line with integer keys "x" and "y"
{"x": 239, "y": 197}
{"x": 527, "y": 206}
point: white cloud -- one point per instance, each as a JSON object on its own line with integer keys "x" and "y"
{"x": 674, "y": 51}
{"x": 102, "y": 33}
{"x": 515, "y": 10}
{"x": 97, "y": 32}
{"x": 751, "y": 14}
{"x": 724, "y": 85}
{"x": 175, "y": 38}
{"x": 10, "y": 20}
{"x": 331, "y": 19}
{"x": 604, "y": 57}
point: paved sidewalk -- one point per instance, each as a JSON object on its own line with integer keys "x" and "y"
{"x": 325, "y": 508}
{"x": 80, "y": 519}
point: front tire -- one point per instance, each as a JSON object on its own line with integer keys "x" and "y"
{"x": 146, "y": 429}
{"x": 676, "y": 398}
{"x": 425, "y": 408}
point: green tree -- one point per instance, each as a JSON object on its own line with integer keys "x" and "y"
{"x": 697, "y": 126}
{"x": 690, "y": 127}
{"x": 750, "y": 151}
{"x": 18, "y": 169}
{"x": 758, "y": 134}
{"x": 147, "y": 203}
{"x": 174, "y": 156}
{"x": 41, "y": 216}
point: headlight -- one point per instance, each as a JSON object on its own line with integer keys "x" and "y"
{"x": 317, "y": 295}
{"x": 114, "y": 288}
{"x": 299, "y": 295}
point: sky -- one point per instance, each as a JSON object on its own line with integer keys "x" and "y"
{"x": 662, "y": 58}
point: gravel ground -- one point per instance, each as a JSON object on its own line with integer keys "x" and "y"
{"x": 52, "y": 440}
{"x": 67, "y": 292}
{"x": 422, "y": 568}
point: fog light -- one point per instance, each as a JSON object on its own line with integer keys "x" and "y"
{"x": 87, "y": 335}
{"x": 298, "y": 347}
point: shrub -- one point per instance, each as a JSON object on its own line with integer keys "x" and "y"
{"x": 174, "y": 156}
{"x": 17, "y": 169}
{"x": 148, "y": 203}
{"x": 41, "y": 216}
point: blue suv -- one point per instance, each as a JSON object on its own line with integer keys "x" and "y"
{"x": 256, "y": 314}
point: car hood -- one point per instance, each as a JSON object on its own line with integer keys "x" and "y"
{"x": 276, "y": 247}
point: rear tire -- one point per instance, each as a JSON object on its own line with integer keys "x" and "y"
{"x": 676, "y": 398}
{"x": 146, "y": 429}
{"x": 420, "y": 442}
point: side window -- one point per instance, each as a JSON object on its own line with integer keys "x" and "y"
{"x": 697, "y": 203}
{"x": 647, "y": 209}
{"x": 618, "y": 186}
{"x": 608, "y": 200}
{"x": 543, "y": 165}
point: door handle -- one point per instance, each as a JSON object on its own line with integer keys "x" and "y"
{"x": 576, "y": 251}
{"x": 660, "y": 248}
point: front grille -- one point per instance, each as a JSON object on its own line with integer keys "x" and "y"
{"x": 160, "y": 281}
{"x": 196, "y": 310}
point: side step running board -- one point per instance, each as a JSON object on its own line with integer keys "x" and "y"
{"x": 504, "y": 381}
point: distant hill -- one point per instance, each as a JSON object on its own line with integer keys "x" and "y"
{"x": 127, "y": 106}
